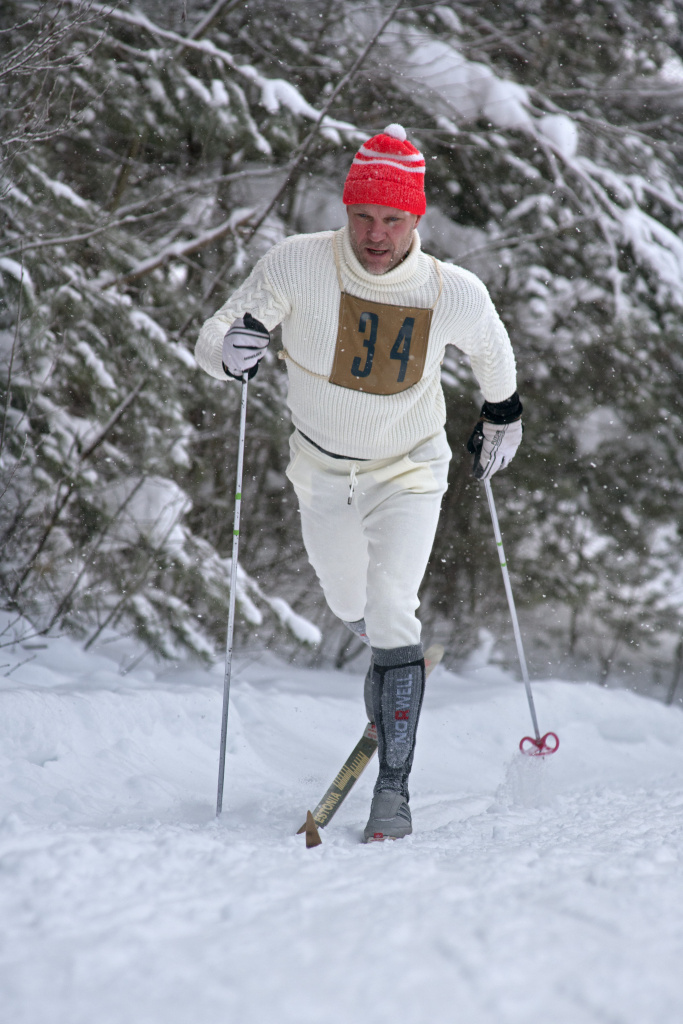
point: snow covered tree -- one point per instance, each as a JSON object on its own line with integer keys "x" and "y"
{"x": 150, "y": 161}
{"x": 103, "y": 408}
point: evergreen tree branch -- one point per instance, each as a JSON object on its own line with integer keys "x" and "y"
{"x": 130, "y": 591}
{"x": 8, "y": 395}
{"x": 67, "y": 599}
{"x": 179, "y": 249}
{"x": 66, "y": 492}
{"x": 511, "y": 241}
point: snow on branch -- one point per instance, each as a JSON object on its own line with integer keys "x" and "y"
{"x": 274, "y": 92}
{"x": 444, "y": 82}
{"x": 20, "y": 274}
{"x": 656, "y": 247}
{"x": 82, "y": 236}
{"x": 303, "y": 629}
{"x": 178, "y": 249}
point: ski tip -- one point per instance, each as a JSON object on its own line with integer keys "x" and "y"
{"x": 311, "y": 830}
{"x": 433, "y": 655}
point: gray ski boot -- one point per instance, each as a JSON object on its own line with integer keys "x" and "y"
{"x": 397, "y": 680}
{"x": 389, "y": 817}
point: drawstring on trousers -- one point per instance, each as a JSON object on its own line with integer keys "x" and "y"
{"x": 353, "y": 480}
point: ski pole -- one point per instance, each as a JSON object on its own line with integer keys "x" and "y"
{"x": 539, "y": 743}
{"x": 233, "y": 590}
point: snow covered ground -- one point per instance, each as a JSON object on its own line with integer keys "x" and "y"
{"x": 532, "y": 889}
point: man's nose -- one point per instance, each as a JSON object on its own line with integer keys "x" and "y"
{"x": 376, "y": 231}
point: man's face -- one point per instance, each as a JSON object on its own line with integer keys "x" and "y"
{"x": 380, "y": 235}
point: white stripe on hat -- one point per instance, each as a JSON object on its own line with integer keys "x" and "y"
{"x": 390, "y": 163}
{"x": 407, "y": 157}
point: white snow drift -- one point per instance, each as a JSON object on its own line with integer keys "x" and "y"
{"x": 531, "y": 889}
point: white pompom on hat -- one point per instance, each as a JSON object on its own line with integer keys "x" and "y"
{"x": 396, "y": 131}
{"x": 388, "y": 171}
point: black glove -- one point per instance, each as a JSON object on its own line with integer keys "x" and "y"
{"x": 243, "y": 347}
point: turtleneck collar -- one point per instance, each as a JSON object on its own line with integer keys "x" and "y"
{"x": 408, "y": 271}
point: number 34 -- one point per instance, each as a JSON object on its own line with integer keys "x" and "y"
{"x": 400, "y": 350}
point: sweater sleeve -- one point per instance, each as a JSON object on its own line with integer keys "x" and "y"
{"x": 256, "y": 296}
{"x": 485, "y": 340}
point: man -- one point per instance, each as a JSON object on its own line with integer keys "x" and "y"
{"x": 366, "y": 316}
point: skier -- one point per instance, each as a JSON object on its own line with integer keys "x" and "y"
{"x": 366, "y": 316}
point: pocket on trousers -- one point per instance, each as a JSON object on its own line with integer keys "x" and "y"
{"x": 294, "y": 456}
{"x": 299, "y": 473}
{"x": 429, "y": 465}
{"x": 291, "y": 466}
{"x": 432, "y": 450}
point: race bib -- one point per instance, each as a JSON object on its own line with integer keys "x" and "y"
{"x": 380, "y": 348}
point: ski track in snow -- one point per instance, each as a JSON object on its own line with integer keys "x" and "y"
{"x": 531, "y": 888}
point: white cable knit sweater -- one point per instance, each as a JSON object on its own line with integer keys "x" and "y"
{"x": 296, "y": 284}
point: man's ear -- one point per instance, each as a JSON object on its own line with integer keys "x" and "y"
{"x": 418, "y": 218}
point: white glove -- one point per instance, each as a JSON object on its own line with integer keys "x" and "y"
{"x": 496, "y": 447}
{"x": 243, "y": 347}
{"x": 494, "y": 444}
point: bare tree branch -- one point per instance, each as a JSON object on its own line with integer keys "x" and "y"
{"x": 30, "y": 75}
{"x": 220, "y": 7}
{"x": 113, "y": 420}
{"x": 303, "y": 150}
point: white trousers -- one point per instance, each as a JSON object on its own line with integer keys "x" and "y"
{"x": 370, "y": 554}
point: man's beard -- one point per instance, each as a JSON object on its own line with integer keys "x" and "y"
{"x": 397, "y": 256}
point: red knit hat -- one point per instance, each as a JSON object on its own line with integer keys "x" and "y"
{"x": 388, "y": 171}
